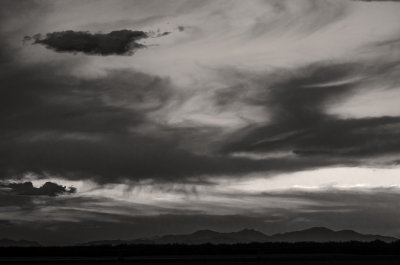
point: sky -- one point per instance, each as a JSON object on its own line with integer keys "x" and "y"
{"x": 134, "y": 118}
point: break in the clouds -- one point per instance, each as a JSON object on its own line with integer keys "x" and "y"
{"x": 273, "y": 92}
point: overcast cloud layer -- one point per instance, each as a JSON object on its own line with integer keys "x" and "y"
{"x": 162, "y": 101}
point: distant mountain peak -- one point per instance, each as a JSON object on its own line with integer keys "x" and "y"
{"x": 204, "y": 232}
{"x": 318, "y": 229}
{"x": 249, "y": 232}
{"x": 346, "y": 230}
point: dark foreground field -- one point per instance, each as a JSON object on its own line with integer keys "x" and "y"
{"x": 321, "y": 259}
{"x": 348, "y": 253}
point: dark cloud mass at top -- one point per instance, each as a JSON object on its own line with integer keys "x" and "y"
{"x": 118, "y": 42}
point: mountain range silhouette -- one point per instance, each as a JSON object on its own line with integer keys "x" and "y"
{"x": 314, "y": 234}
{"x": 4, "y": 242}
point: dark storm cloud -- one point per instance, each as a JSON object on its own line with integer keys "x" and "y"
{"x": 118, "y": 42}
{"x": 49, "y": 102}
{"x": 47, "y": 189}
{"x": 297, "y": 102}
{"x": 55, "y": 123}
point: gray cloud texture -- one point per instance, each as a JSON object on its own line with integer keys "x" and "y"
{"x": 64, "y": 126}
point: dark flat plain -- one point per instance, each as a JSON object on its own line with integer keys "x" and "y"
{"x": 317, "y": 259}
